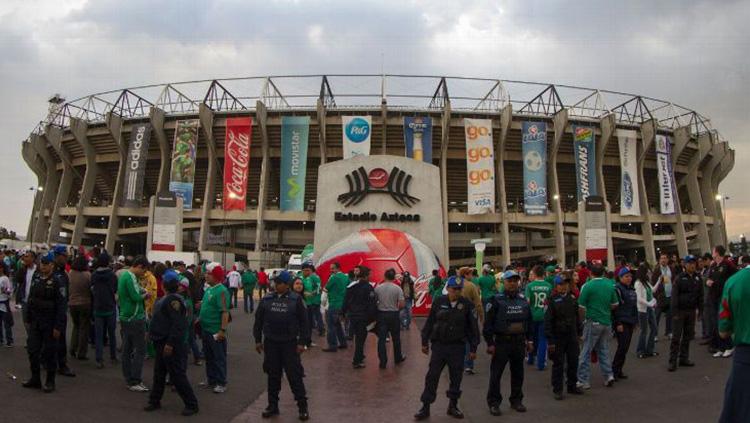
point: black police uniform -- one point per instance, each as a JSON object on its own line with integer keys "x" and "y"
{"x": 449, "y": 327}
{"x": 43, "y": 313}
{"x": 562, "y": 326}
{"x": 360, "y": 307}
{"x": 507, "y": 327}
{"x": 169, "y": 327}
{"x": 625, "y": 315}
{"x": 281, "y": 325}
{"x": 62, "y": 345}
{"x": 687, "y": 296}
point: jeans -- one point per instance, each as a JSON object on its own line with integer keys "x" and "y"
{"x": 388, "y": 323}
{"x": 216, "y": 359}
{"x": 667, "y": 317}
{"x": 406, "y": 313}
{"x": 540, "y": 345}
{"x": 315, "y": 318}
{"x": 6, "y": 325}
{"x": 247, "y": 296}
{"x": 595, "y": 338}
{"x": 648, "y": 331}
{"x": 717, "y": 342}
{"x": 468, "y": 363}
{"x": 737, "y": 391}
{"x": 233, "y": 297}
{"x": 133, "y": 350}
{"x": 81, "y": 317}
{"x": 106, "y": 324}
{"x": 623, "y": 345}
{"x": 193, "y": 343}
{"x": 335, "y": 335}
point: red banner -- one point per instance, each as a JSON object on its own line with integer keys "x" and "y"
{"x": 236, "y": 162}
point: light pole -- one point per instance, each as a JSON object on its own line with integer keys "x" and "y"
{"x": 33, "y": 202}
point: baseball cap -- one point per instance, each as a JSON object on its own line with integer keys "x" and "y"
{"x": 60, "y": 250}
{"x": 454, "y": 282}
{"x": 47, "y": 258}
{"x": 170, "y": 275}
{"x": 690, "y": 257}
{"x": 550, "y": 269}
{"x": 624, "y": 271}
{"x": 560, "y": 280}
{"x": 510, "y": 274}
{"x": 486, "y": 268}
{"x": 283, "y": 277}
{"x": 216, "y": 271}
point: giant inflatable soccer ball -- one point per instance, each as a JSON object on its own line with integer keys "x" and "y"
{"x": 381, "y": 249}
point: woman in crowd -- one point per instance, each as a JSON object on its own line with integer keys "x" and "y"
{"x": 646, "y": 312}
{"x": 103, "y": 288}
{"x": 79, "y": 303}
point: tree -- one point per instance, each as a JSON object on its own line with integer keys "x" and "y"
{"x": 6, "y": 234}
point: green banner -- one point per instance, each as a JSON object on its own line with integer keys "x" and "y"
{"x": 294, "y": 135}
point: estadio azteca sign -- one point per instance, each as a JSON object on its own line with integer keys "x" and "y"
{"x": 377, "y": 181}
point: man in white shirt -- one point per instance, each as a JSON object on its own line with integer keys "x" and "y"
{"x": 235, "y": 279}
{"x": 6, "y": 313}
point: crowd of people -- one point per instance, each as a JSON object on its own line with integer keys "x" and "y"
{"x": 526, "y": 315}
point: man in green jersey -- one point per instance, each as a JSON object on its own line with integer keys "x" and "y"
{"x": 487, "y": 284}
{"x": 336, "y": 290}
{"x": 312, "y": 292}
{"x": 214, "y": 320}
{"x": 734, "y": 321}
{"x": 249, "y": 281}
{"x": 130, "y": 298}
{"x": 537, "y": 292}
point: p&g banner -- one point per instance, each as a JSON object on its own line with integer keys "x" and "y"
{"x": 356, "y": 132}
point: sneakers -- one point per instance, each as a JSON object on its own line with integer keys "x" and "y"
{"x": 728, "y": 353}
{"x": 718, "y": 354}
{"x": 423, "y": 412}
{"x": 270, "y": 411}
{"x": 580, "y": 385}
{"x": 495, "y": 410}
{"x": 518, "y": 406}
{"x": 610, "y": 382}
{"x": 470, "y": 371}
{"x": 138, "y": 387}
{"x": 220, "y": 389}
{"x": 358, "y": 365}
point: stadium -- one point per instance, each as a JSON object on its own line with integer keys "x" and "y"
{"x": 88, "y": 152}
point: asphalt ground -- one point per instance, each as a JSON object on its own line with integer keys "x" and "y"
{"x": 338, "y": 393}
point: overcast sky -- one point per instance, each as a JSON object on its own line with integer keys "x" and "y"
{"x": 694, "y": 53}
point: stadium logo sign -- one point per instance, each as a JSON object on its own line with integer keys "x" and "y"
{"x": 378, "y": 181}
{"x": 358, "y": 130}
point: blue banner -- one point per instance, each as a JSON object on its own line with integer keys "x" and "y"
{"x": 294, "y": 136}
{"x": 584, "y": 150}
{"x": 418, "y": 138}
{"x": 534, "y": 142}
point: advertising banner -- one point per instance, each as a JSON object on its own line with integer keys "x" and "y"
{"x": 418, "y": 138}
{"x": 584, "y": 150}
{"x": 294, "y": 135}
{"x": 596, "y": 228}
{"x": 666, "y": 175}
{"x": 164, "y": 235}
{"x": 182, "y": 175}
{"x": 236, "y": 162}
{"x": 356, "y": 131}
{"x": 135, "y": 169}
{"x": 629, "y": 197}
{"x": 480, "y": 166}
{"x": 534, "y": 151}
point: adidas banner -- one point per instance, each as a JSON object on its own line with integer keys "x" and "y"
{"x": 135, "y": 172}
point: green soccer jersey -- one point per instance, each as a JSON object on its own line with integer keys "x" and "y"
{"x": 336, "y": 288}
{"x": 537, "y": 293}
{"x": 249, "y": 281}
{"x": 487, "y": 286}
{"x": 734, "y": 316}
{"x": 212, "y": 307}
{"x": 597, "y": 297}
{"x": 312, "y": 289}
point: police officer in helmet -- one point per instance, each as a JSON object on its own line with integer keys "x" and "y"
{"x": 169, "y": 333}
{"x": 44, "y": 315}
{"x": 281, "y": 333}
{"x": 507, "y": 331}
{"x": 452, "y": 322}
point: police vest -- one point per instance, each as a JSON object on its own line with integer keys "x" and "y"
{"x": 512, "y": 314}
{"x": 280, "y": 320}
{"x": 450, "y": 321}
{"x": 161, "y": 321}
{"x": 689, "y": 291}
{"x": 42, "y": 296}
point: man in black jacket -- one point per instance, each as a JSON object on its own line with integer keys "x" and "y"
{"x": 360, "y": 307}
{"x": 687, "y": 297}
{"x": 624, "y": 319}
{"x": 562, "y": 326}
{"x": 718, "y": 274}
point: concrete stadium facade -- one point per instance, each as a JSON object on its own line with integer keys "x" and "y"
{"x": 77, "y": 154}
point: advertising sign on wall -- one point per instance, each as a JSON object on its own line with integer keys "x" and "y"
{"x": 236, "y": 162}
{"x": 666, "y": 175}
{"x": 534, "y": 151}
{"x": 182, "y": 176}
{"x": 356, "y": 131}
{"x": 584, "y": 151}
{"x": 629, "y": 197}
{"x": 294, "y": 136}
{"x": 480, "y": 166}
{"x": 135, "y": 169}
{"x": 418, "y": 138}
{"x": 596, "y": 228}
{"x": 164, "y": 235}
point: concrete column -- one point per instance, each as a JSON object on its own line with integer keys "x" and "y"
{"x": 261, "y": 116}
{"x": 53, "y": 135}
{"x": 446, "y": 127}
{"x": 694, "y": 193}
{"x": 114, "y": 124}
{"x": 721, "y": 171}
{"x": 79, "y": 128}
{"x": 156, "y": 116}
{"x": 609, "y": 128}
{"x": 506, "y": 118}
{"x": 560, "y": 122}
{"x": 206, "y": 116}
{"x": 322, "y": 131}
{"x": 681, "y": 138}
{"x": 34, "y": 163}
{"x": 49, "y": 193}
{"x": 708, "y": 192}
{"x": 648, "y": 134}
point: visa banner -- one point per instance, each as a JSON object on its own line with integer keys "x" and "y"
{"x": 480, "y": 166}
{"x": 294, "y": 138}
{"x": 584, "y": 150}
{"x": 629, "y": 196}
{"x": 534, "y": 151}
{"x": 182, "y": 175}
{"x": 665, "y": 174}
{"x": 236, "y": 162}
{"x": 418, "y": 138}
{"x": 356, "y": 132}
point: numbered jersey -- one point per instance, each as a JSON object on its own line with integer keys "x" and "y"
{"x": 538, "y": 292}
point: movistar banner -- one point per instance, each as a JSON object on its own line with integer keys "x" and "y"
{"x": 418, "y": 138}
{"x": 630, "y": 204}
{"x": 294, "y": 136}
{"x": 666, "y": 175}
{"x": 584, "y": 150}
{"x": 534, "y": 150}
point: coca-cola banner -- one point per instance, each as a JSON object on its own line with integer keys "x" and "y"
{"x": 236, "y": 162}
{"x": 294, "y": 135}
{"x": 182, "y": 176}
{"x": 135, "y": 164}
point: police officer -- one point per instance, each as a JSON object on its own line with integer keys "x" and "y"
{"x": 507, "y": 331}
{"x": 44, "y": 315}
{"x": 61, "y": 260}
{"x": 169, "y": 332}
{"x": 562, "y": 327}
{"x": 451, "y": 324}
{"x": 687, "y": 297}
{"x": 281, "y": 332}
